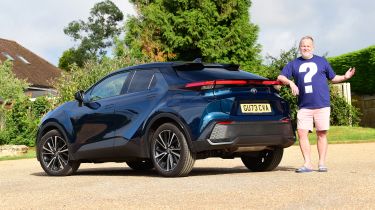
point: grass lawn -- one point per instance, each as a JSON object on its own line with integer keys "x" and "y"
{"x": 30, "y": 154}
{"x": 336, "y": 135}
{"x": 346, "y": 134}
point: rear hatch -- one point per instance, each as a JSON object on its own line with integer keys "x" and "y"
{"x": 240, "y": 93}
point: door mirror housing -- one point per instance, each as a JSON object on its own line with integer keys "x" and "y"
{"x": 79, "y": 96}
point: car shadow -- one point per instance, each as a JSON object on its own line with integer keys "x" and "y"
{"x": 197, "y": 171}
{"x": 285, "y": 168}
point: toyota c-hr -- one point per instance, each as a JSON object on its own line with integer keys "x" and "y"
{"x": 164, "y": 116}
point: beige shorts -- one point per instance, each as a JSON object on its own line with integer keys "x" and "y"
{"x": 306, "y": 118}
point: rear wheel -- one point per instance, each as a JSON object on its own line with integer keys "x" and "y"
{"x": 140, "y": 165}
{"x": 170, "y": 153}
{"x": 53, "y": 155}
{"x": 265, "y": 160}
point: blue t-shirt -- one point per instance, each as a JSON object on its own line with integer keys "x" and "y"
{"x": 310, "y": 75}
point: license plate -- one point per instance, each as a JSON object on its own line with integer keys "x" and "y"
{"x": 256, "y": 108}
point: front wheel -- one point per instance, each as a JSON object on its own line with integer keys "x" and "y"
{"x": 170, "y": 153}
{"x": 53, "y": 155}
{"x": 265, "y": 160}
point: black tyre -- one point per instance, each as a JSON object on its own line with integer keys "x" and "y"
{"x": 265, "y": 160}
{"x": 170, "y": 153}
{"x": 53, "y": 155}
{"x": 140, "y": 165}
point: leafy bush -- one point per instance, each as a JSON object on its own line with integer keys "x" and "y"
{"x": 364, "y": 61}
{"x": 286, "y": 93}
{"x": 19, "y": 122}
{"x": 22, "y": 119}
{"x": 276, "y": 64}
{"x": 10, "y": 87}
{"x": 343, "y": 113}
{"x": 82, "y": 78}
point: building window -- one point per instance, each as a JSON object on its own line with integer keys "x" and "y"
{"x": 23, "y": 59}
{"x": 7, "y": 56}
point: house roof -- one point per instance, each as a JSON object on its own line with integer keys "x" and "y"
{"x": 27, "y": 65}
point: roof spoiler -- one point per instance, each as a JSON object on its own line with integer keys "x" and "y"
{"x": 186, "y": 66}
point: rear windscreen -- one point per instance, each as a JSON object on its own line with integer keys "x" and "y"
{"x": 215, "y": 73}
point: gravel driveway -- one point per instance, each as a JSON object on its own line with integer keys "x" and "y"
{"x": 213, "y": 184}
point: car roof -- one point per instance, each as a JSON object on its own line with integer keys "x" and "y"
{"x": 182, "y": 65}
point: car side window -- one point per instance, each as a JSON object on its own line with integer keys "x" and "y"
{"x": 142, "y": 80}
{"x": 109, "y": 87}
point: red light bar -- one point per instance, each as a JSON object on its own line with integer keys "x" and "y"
{"x": 231, "y": 82}
{"x": 199, "y": 84}
{"x": 264, "y": 82}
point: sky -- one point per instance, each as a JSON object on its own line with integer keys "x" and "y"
{"x": 338, "y": 26}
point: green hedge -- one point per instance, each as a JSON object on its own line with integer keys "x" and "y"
{"x": 363, "y": 60}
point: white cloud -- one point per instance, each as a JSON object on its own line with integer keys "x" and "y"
{"x": 38, "y": 25}
{"x": 338, "y": 26}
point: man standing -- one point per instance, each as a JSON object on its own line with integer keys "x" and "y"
{"x": 310, "y": 73}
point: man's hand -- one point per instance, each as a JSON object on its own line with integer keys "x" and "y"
{"x": 294, "y": 88}
{"x": 349, "y": 74}
{"x": 291, "y": 84}
{"x": 341, "y": 78}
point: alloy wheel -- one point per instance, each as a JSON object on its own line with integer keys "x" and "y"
{"x": 167, "y": 151}
{"x": 55, "y": 154}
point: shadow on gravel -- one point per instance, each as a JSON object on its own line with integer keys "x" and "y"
{"x": 197, "y": 171}
{"x": 285, "y": 169}
{"x": 108, "y": 172}
{"x": 115, "y": 172}
{"x": 200, "y": 171}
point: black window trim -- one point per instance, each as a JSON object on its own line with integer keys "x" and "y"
{"x": 134, "y": 71}
{"x": 89, "y": 91}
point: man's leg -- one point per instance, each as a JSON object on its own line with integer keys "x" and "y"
{"x": 305, "y": 147}
{"x": 322, "y": 146}
{"x": 304, "y": 124}
{"x": 321, "y": 118}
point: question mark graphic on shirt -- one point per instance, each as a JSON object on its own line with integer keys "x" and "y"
{"x": 313, "y": 68}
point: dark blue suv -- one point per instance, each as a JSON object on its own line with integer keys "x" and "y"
{"x": 166, "y": 116}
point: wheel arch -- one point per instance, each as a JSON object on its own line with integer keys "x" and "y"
{"x": 162, "y": 118}
{"x": 47, "y": 127}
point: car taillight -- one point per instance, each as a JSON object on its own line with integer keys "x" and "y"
{"x": 264, "y": 82}
{"x": 231, "y": 82}
{"x": 204, "y": 85}
{"x": 225, "y": 122}
{"x": 285, "y": 120}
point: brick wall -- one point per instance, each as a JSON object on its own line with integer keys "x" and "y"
{"x": 366, "y": 103}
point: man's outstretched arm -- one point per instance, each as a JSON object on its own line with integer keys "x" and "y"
{"x": 340, "y": 78}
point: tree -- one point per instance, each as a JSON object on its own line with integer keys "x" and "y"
{"x": 81, "y": 78}
{"x": 73, "y": 56}
{"x": 10, "y": 87}
{"x": 216, "y": 31}
{"x": 94, "y": 36}
{"x": 276, "y": 64}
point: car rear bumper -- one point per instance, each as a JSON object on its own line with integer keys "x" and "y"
{"x": 238, "y": 135}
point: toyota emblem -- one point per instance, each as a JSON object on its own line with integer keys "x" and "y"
{"x": 253, "y": 90}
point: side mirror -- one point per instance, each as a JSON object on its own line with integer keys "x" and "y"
{"x": 79, "y": 96}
